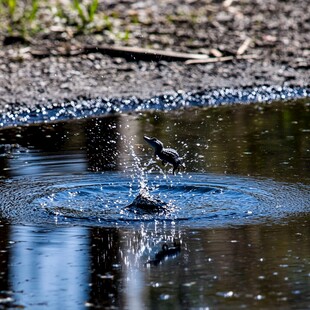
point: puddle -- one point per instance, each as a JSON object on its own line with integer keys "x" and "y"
{"x": 48, "y": 180}
{"x": 234, "y": 232}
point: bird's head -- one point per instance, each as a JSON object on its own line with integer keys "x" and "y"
{"x": 154, "y": 143}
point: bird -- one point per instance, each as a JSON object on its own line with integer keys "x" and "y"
{"x": 167, "y": 155}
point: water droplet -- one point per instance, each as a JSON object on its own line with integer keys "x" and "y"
{"x": 164, "y": 296}
{"x": 228, "y": 294}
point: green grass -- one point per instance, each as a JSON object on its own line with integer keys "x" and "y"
{"x": 27, "y": 18}
{"x": 18, "y": 19}
{"x": 86, "y": 13}
{"x": 24, "y": 18}
{"x": 30, "y": 18}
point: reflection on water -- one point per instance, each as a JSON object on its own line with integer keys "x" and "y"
{"x": 242, "y": 163}
{"x": 249, "y": 266}
{"x": 257, "y": 140}
{"x": 47, "y": 260}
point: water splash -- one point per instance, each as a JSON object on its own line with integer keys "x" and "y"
{"x": 138, "y": 173}
{"x": 196, "y": 199}
{"x": 144, "y": 201}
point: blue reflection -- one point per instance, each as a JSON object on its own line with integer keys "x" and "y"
{"x": 50, "y": 267}
{"x": 32, "y": 163}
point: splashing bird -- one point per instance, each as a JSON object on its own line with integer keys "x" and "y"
{"x": 166, "y": 155}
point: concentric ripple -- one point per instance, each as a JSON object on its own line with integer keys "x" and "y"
{"x": 195, "y": 199}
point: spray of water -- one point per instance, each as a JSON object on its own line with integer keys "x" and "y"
{"x": 134, "y": 167}
{"x": 144, "y": 199}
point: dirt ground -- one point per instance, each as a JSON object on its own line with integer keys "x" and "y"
{"x": 273, "y": 36}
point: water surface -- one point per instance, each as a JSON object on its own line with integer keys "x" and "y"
{"x": 237, "y": 229}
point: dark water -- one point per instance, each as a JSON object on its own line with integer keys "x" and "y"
{"x": 237, "y": 229}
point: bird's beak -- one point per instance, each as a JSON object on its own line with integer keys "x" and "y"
{"x": 146, "y": 138}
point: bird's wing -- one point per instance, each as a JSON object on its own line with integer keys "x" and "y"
{"x": 171, "y": 152}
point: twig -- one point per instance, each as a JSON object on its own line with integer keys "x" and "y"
{"x": 134, "y": 53}
{"x": 209, "y": 60}
{"x": 219, "y": 59}
{"x": 244, "y": 46}
{"x": 143, "y": 53}
{"x": 216, "y": 52}
{"x": 130, "y": 53}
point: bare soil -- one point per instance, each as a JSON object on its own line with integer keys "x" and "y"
{"x": 59, "y": 65}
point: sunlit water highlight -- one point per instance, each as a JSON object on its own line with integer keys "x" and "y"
{"x": 84, "y": 107}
